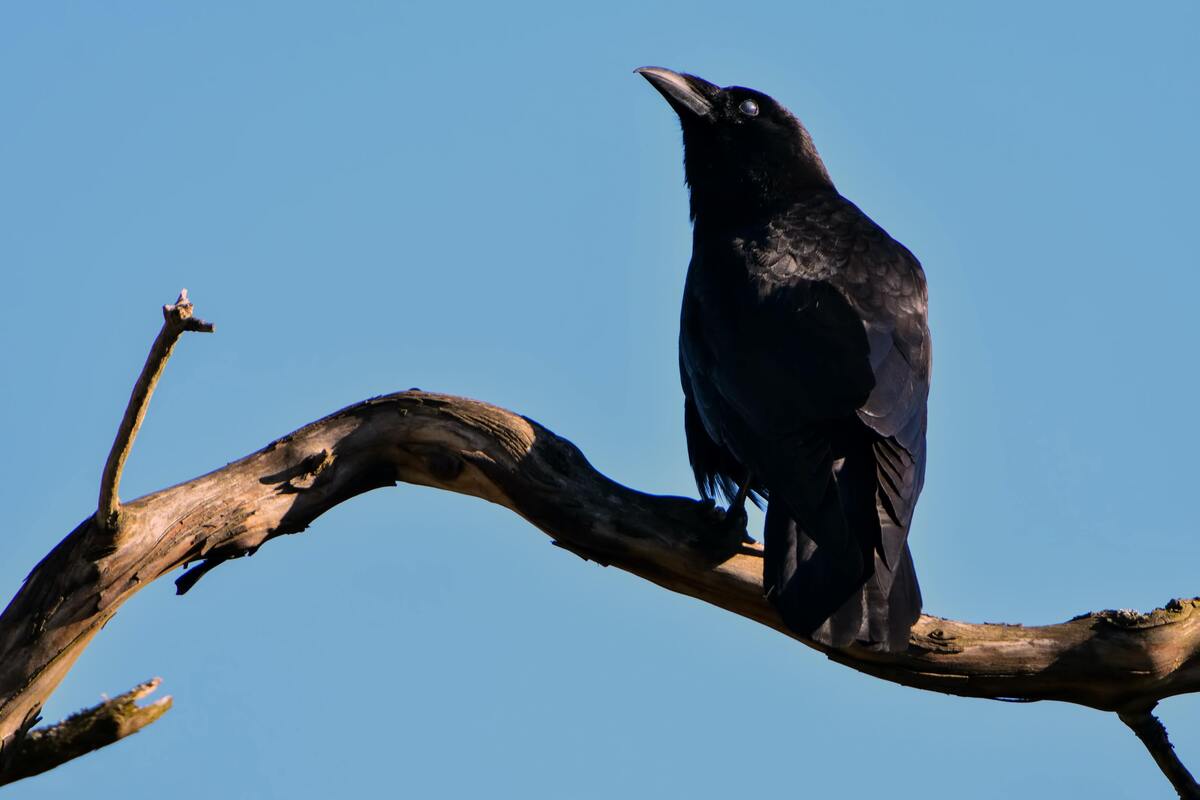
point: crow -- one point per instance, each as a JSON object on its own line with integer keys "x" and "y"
{"x": 805, "y": 356}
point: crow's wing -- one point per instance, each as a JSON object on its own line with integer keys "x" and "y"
{"x": 885, "y": 284}
{"x": 828, "y": 322}
{"x": 767, "y": 370}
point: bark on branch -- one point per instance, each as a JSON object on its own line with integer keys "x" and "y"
{"x": 177, "y": 318}
{"x": 1153, "y": 735}
{"x": 79, "y": 734}
{"x": 1114, "y": 661}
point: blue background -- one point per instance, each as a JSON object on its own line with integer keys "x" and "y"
{"x": 482, "y": 199}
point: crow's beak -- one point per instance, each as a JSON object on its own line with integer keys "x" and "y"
{"x": 687, "y": 94}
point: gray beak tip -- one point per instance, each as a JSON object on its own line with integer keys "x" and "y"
{"x": 685, "y": 93}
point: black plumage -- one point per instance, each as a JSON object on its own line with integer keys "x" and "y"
{"x": 805, "y": 358}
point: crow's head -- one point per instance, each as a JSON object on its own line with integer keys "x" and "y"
{"x": 743, "y": 153}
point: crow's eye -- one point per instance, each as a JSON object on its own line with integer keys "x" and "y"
{"x": 749, "y": 108}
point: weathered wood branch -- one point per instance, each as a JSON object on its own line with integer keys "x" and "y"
{"x": 1113, "y": 661}
{"x": 177, "y": 318}
{"x": 79, "y": 734}
{"x": 1153, "y": 735}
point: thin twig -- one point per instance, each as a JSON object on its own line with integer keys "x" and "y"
{"x": 177, "y": 318}
{"x": 46, "y": 748}
{"x": 1152, "y": 733}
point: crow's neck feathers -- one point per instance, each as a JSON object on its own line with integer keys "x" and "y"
{"x": 748, "y": 170}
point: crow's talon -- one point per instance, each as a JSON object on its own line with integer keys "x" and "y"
{"x": 729, "y": 523}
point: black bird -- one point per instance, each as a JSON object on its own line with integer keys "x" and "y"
{"x": 805, "y": 359}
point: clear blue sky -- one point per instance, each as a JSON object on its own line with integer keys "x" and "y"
{"x": 484, "y": 200}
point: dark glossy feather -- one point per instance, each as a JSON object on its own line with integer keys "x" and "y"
{"x": 805, "y": 362}
{"x": 805, "y": 355}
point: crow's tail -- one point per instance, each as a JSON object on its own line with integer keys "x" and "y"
{"x": 821, "y": 599}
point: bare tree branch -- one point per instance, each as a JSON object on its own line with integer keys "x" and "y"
{"x": 1113, "y": 661}
{"x": 1154, "y": 736}
{"x": 44, "y": 749}
{"x": 177, "y": 318}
